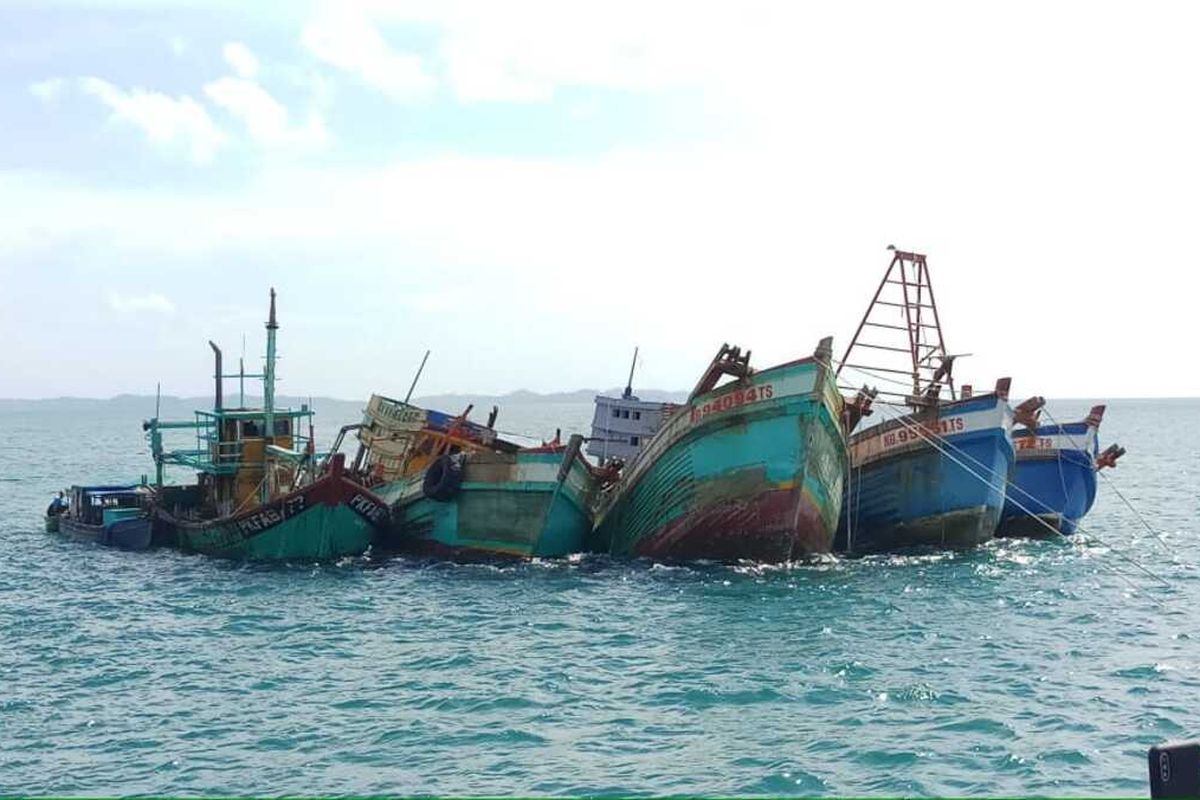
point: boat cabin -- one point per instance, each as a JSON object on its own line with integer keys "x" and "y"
{"x": 622, "y": 425}
{"x": 103, "y": 505}
{"x": 397, "y": 439}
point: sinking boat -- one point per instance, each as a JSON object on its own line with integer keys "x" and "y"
{"x": 1054, "y": 483}
{"x": 748, "y": 470}
{"x": 113, "y": 516}
{"x": 622, "y": 426}
{"x": 262, "y": 493}
{"x": 935, "y": 473}
{"x": 456, "y": 489}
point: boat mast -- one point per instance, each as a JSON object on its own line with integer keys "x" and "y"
{"x": 927, "y": 365}
{"x": 416, "y": 377}
{"x": 628, "y": 393}
{"x": 269, "y": 395}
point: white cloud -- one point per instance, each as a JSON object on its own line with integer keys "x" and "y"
{"x": 49, "y": 90}
{"x": 241, "y": 59}
{"x": 351, "y": 43}
{"x": 525, "y": 50}
{"x": 265, "y": 118}
{"x": 165, "y": 120}
{"x": 136, "y": 303}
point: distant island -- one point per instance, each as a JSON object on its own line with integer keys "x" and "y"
{"x": 143, "y": 405}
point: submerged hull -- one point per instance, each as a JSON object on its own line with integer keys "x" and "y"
{"x": 530, "y": 504}
{"x": 750, "y": 471}
{"x": 330, "y": 518}
{"x": 903, "y": 492}
{"x": 1054, "y": 483}
{"x": 125, "y": 534}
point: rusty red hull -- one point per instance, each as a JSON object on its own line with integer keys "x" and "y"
{"x": 776, "y": 526}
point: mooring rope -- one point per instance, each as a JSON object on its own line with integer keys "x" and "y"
{"x": 925, "y": 435}
{"x": 1113, "y": 485}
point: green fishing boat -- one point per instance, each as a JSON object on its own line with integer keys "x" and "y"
{"x": 262, "y": 493}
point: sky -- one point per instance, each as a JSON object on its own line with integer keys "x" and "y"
{"x": 532, "y": 189}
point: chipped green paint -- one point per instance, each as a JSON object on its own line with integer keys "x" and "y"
{"x": 509, "y": 504}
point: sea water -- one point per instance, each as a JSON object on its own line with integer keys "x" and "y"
{"x": 1021, "y": 667}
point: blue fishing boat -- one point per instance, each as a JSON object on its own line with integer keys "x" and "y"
{"x": 933, "y": 474}
{"x": 1054, "y": 483}
{"x": 934, "y": 477}
{"x": 113, "y": 516}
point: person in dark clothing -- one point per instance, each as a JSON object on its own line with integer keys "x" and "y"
{"x": 57, "y": 506}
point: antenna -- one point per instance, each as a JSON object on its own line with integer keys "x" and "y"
{"x": 242, "y": 374}
{"x": 416, "y": 377}
{"x": 629, "y": 383}
{"x": 157, "y": 398}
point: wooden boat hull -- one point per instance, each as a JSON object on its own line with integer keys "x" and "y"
{"x": 903, "y": 492}
{"x": 125, "y": 534}
{"x": 750, "y": 471}
{"x": 1054, "y": 483}
{"x": 328, "y": 519}
{"x": 508, "y": 505}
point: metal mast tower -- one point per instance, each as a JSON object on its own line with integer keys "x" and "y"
{"x": 906, "y": 337}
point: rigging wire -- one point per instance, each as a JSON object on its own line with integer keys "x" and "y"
{"x": 917, "y": 430}
{"x": 1162, "y": 542}
{"x": 877, "y": 376}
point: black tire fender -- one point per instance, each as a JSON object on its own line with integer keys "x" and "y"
{"x": 443, "y": 478}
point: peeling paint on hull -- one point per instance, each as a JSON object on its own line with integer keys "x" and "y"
{"x": 912, "y": 495}
{"x": 774, "y": 526}
{"x": 509, "y": 505}
{"x": 750, "y": 471}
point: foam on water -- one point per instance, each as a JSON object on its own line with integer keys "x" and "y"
{"x": 1021, "y": 667}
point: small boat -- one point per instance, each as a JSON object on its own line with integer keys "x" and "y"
{"x": 262, "y": 494}
{"x": 1054, "y": 483}
{"x": 748, "y": 470}
{"x": 457, "y": 489}
{"x": 114, "y": 516}
{"x": 935, "y": 474}
{"x": 623, "y": 425}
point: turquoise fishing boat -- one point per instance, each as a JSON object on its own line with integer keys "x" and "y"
{"x": 262, "y": 493}
{"x": 750, "y": 470}
{"x": 456, "y": 489}
{"x": 532, "y": 503}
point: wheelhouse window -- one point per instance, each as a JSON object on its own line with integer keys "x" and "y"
{"x": 283, "y": 427}
{"x": 635, "y": 440}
